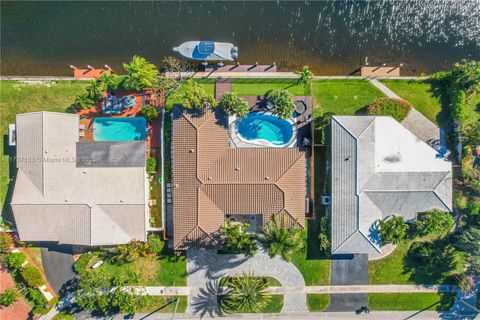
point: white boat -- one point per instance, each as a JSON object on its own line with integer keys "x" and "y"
{"x": 208, "y": 51}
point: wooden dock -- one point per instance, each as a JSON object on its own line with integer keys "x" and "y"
{"x": 380, "y": 71}
{"x": 241, "y": 68}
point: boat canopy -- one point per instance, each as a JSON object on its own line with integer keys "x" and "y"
{"x": 206, "y": 47}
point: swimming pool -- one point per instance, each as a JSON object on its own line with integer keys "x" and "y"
{"x": 119, "y": 129}
{"x": 266, "y": 130}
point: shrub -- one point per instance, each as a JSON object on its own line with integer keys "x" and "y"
{"x": 15, "y": 260}
{"x": 151, "y": 164}
{"x": 8, "y": 297}
{"x": 393, "y": 230}
{"x": 38, "y": 300}
{"x": 6, "y": 242}
{"x": 150, "y": 113}
{"x": 461, "y": 201}
{"x": 141, "y": 74}
{"x": 233, "y": 105}
{"x": 193, "y": 96}
{"x": 155, "y": 244}
{"x": 283, "y": 105}
{"x": 474, "y": 207}
{"x": 466, "y": 75}
{"x": 434, "y": 222}
{"x": 237, "y": 240}
{"x": 81, "y": 264}
{"x": 128, "y": 252}
{"x": 32, "y": 276}
{"x": 395, "y": 108}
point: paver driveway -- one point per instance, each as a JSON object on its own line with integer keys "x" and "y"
{"x": 205, "y": 268}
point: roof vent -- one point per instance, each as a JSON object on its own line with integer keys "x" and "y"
{"x": 176, "y": 186}
{"x": 122, "y": 201}
{"x": 66, "y": 200}
{"x": 267, "y": 178}
{"x": 209, "y": 178}
{"x": 84, "y": 171}
{"x": 46, "y": 151}
{"x": 237, "y": 168}
{"x": 191, "y": 151}
{"x": 348, "y": 158}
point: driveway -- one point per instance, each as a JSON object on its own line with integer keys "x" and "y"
{"x": 57, "y": 262}
{"x": 205, "y": 268}
{"x": 348, "y": 270}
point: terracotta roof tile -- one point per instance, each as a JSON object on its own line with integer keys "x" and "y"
{"x": 211, "y": 180}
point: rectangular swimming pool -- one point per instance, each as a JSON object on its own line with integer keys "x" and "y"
{"x": 119, "y": 129}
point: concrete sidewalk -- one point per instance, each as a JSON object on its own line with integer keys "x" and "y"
{"x": 185, "y": 291}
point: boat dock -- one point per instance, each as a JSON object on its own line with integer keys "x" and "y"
{"x": 382, "y": 71}
{"x": 242, "y": 68}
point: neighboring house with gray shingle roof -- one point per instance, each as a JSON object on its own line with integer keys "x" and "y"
{"x": 379, "y": 168}
{"x": 89, "y": 202}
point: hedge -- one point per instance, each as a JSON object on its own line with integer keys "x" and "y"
{"x": 396, "y": 108}
{"x": 151, "y": 165}
{"x": 32, "y": 276}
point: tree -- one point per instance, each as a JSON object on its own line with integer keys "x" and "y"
{"x": 245, "y": 293}
{"x": 469, "y": 242}
{"x": 305, "y": 76}
{"x": 434, "y": 222}
{"x": 15, "y": 260}
{"x": 8, "y": 297}
{"x": 128, "y": 300}
{"x": 193, "y": 96}
{"x": 283, "y": 105}
{"x": 233, "y": 105}
{"x": 150, "y": 113}
{"x": 6, "y": 242}
{"x": 141, "y": 74}
{"x": 176, "y": 72}
{"x": 471, "y": 134}
{"x": 466, "y": 75}
{"x": 93, "y": 291}
{"x": 282, "y": 239}
{"x": 128, "y": 252}
{"x": 392, "y": 230}
{"x": 238, "y": 240}
{"x": 32, "y": 276}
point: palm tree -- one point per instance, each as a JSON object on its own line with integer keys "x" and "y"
{"x": 304, "y": 76}
{"x": 469, "y": 242}
{"x": 393, "y": 230}
{"x": 281, "y": 239}
{"x": 141, "y": 74}
{"x": 244, "y": 293}
{"x": 8, "y": 297}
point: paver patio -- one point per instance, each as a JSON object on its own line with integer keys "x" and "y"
{"x": 205, "y": 268}
{"x": 18, "y": 310}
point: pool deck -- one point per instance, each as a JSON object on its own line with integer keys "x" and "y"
{"x": 258, "y": 103}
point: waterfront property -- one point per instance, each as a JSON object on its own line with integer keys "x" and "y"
{"x": 379, "y": 168}
{"x": 72, "y": 192}
{"x": 214, "y": 181}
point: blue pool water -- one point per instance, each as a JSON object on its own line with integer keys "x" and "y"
{"x": 258, "y": 126}
{"x": 119, "y": 129}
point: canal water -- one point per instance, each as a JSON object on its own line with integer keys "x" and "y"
{"x": 332, "y": 37}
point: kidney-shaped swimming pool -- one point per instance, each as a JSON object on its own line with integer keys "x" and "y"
{"x": 265, "y": 129}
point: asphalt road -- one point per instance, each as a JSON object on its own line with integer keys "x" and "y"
{"x": 348, "y": 270}
{"x": 57, "y": 262}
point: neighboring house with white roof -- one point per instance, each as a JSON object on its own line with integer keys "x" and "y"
{"x": 379, "y": 168}
{"x": 80, "y": 193}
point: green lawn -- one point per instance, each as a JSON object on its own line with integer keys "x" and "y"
{"x": 15, "y": 98}
{"x": 317, "y": 302}
{"x": 166, "y": 270}
{"x": 398, "y": 268}
{"x": 160, "y": 304}
{"x": 411, "y": 301}
{"x": 425, "y": 96}
{"x": 312, "y": 263}
{"x": 343, "y": 97}
{"x": 262, "y": 87}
